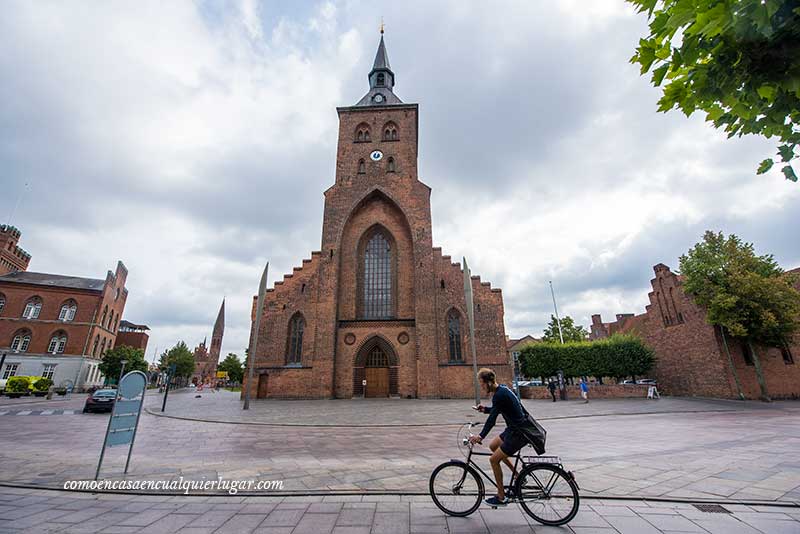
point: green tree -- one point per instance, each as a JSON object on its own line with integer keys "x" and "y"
{"x": 571, "y": 331}
{"x": 182, "y": 357}
{"x": 747, "y": 295}
{"x": 111, "y": 366}
{"x": 738, "y": 62}
{"x": 233, "y": 366}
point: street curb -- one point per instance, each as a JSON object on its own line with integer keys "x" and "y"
{"x": 351, "y": 493}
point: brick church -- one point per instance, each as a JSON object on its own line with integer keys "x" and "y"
{"x": 206, "y": 359}
{"x": 378, "y": 311}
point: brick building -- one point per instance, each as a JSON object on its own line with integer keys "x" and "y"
{"x": 378, "y": 304}
{"x": 59, "y": 326}
{"x": 206, "y": 358}
{"x": 690, "y": 354}
{"x": 133, "y": 335}
{"x": 12, "y": 257}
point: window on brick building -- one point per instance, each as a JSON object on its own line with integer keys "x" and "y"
{"x": 296, "y": 327}
{"x": 787, "y": 354}
{"x": 10, "y": 370}
{"x": 105, "y": 315}
{"x": 362, "y": 133}
{"x": 390, "y": 165}
{"x": 378, "y": 278}
{"x": 96, "y": 344}
{"x": 377, "y": 358}
{"x": 57, "y": 343}
{"x": 2, "y": 302}
{"x": 102, "y": 347}
{"x": 68, "y": 310}
{"x": 362, "y": 167}
{"x": 390, "y": 132}
{"x": 49, "y": 370}
{"x": 32, "y": 308}
{"x": 454, "y": 336}
{"x": 21, "y": 341}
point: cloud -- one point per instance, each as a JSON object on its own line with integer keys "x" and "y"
{"x": 194, "y": 141}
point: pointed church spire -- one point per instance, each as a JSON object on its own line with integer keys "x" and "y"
{"x": 381, "y": 80}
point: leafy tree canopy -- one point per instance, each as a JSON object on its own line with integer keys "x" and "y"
{"x": 233, "y": 366}
{"x": 749, "y": 295}
{"x": 111, "y": 366}
{"x": 181, "y": 356}
{"x": 736, "y": 61}
{"x": 571, "y": 331}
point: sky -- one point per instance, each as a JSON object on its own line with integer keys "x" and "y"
{"x": 193, "y": 141}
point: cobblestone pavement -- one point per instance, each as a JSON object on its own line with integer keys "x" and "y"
{"x": 693, "y": 449}
{"x": 38, "y": 511}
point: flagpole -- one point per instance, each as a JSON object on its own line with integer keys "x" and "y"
{"x": 555, "y": 307}
{"x": 251, "y": 353}
{"x": 471, "y": 320}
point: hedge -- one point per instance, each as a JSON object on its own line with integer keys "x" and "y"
{"x": 617, "y": 356}
{"x": 18, "y": 384}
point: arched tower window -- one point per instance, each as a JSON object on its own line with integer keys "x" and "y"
{"x": 21, "y": 341}
{"x": 362, "y": 133}
{"x": 390, "y": 165}
{"x": 378, "y": 277}
{"x": 57, "y": 343}
{"x": 68, "y": 310}
{"x": 296, "y": 327}
{"x": 390, "y": 132}
{"x": 32, "y": 308}
{"x": 454, "y": 336}
{"x": 381, "y": 79}
{"x": 362, "y": 168}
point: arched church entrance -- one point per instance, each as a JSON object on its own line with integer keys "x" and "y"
{"x": 375, "y": 370}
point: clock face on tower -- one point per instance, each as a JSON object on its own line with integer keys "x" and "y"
{"x": 376, "y": 155}
{"x": 378, "y": 98}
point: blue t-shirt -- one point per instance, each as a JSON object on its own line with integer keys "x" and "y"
{"x": 506, "y": 403}
{"x": 584, "y": 387}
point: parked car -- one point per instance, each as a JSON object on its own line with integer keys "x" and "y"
{"x": 523, "y": 383}
{"x": 647, "y": 382}
{"x": 627, "y": 382}
{"x": 101, "y": 400}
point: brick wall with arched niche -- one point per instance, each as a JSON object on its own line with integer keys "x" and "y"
{"x": 376, "y": 214}
{"x": 375, "y": 354}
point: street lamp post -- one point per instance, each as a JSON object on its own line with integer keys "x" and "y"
{"x": 471, "y": 320}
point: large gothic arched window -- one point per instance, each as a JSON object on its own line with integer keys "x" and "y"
{"x": 377, "y": 281}
{"x": 296, "y": 327}
{"x": 454, "y": 336}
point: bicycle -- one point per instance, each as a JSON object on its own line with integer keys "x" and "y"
{"x": 545, "y": 490}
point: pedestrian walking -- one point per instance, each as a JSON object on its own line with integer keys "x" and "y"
{"x": 552, "y": 387}
{"x": 584, "y": 390}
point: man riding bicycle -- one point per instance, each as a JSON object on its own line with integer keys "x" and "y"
{"x": 511, "y": 440}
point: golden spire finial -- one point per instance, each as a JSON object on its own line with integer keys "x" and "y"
{"x": 381, "y": 25}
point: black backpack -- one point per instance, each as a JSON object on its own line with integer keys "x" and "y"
{"x": 532, "y": 430}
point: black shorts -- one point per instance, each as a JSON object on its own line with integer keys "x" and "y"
{"x": 513, "y": 441}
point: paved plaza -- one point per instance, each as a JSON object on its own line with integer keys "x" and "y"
{"x": 38, "y": 511}
{"x": 362, "y": 466}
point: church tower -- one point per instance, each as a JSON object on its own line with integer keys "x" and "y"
{"x": 378, "y": 311}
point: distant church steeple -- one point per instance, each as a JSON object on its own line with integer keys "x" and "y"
{"x": 381, "y": 80}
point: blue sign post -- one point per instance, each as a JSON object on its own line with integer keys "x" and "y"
{"x": 125, "y": 416}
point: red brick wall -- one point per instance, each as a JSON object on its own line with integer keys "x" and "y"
{"x": 137, "y": 340}
{"x": 81, "y": 331}
{"x": 690, "y": 356}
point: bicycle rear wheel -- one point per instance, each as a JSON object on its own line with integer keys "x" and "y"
{"x": 456, "y": 488}
{"x": 548, "y": 494}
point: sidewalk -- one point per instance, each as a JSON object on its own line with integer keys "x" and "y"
{"x": 35, "y": 511}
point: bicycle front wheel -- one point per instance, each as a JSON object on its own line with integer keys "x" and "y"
{"x": 548, "y": 494}
{"x": 456, "y": 488}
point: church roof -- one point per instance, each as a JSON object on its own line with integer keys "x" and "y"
{"x": 381, "y": 81}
